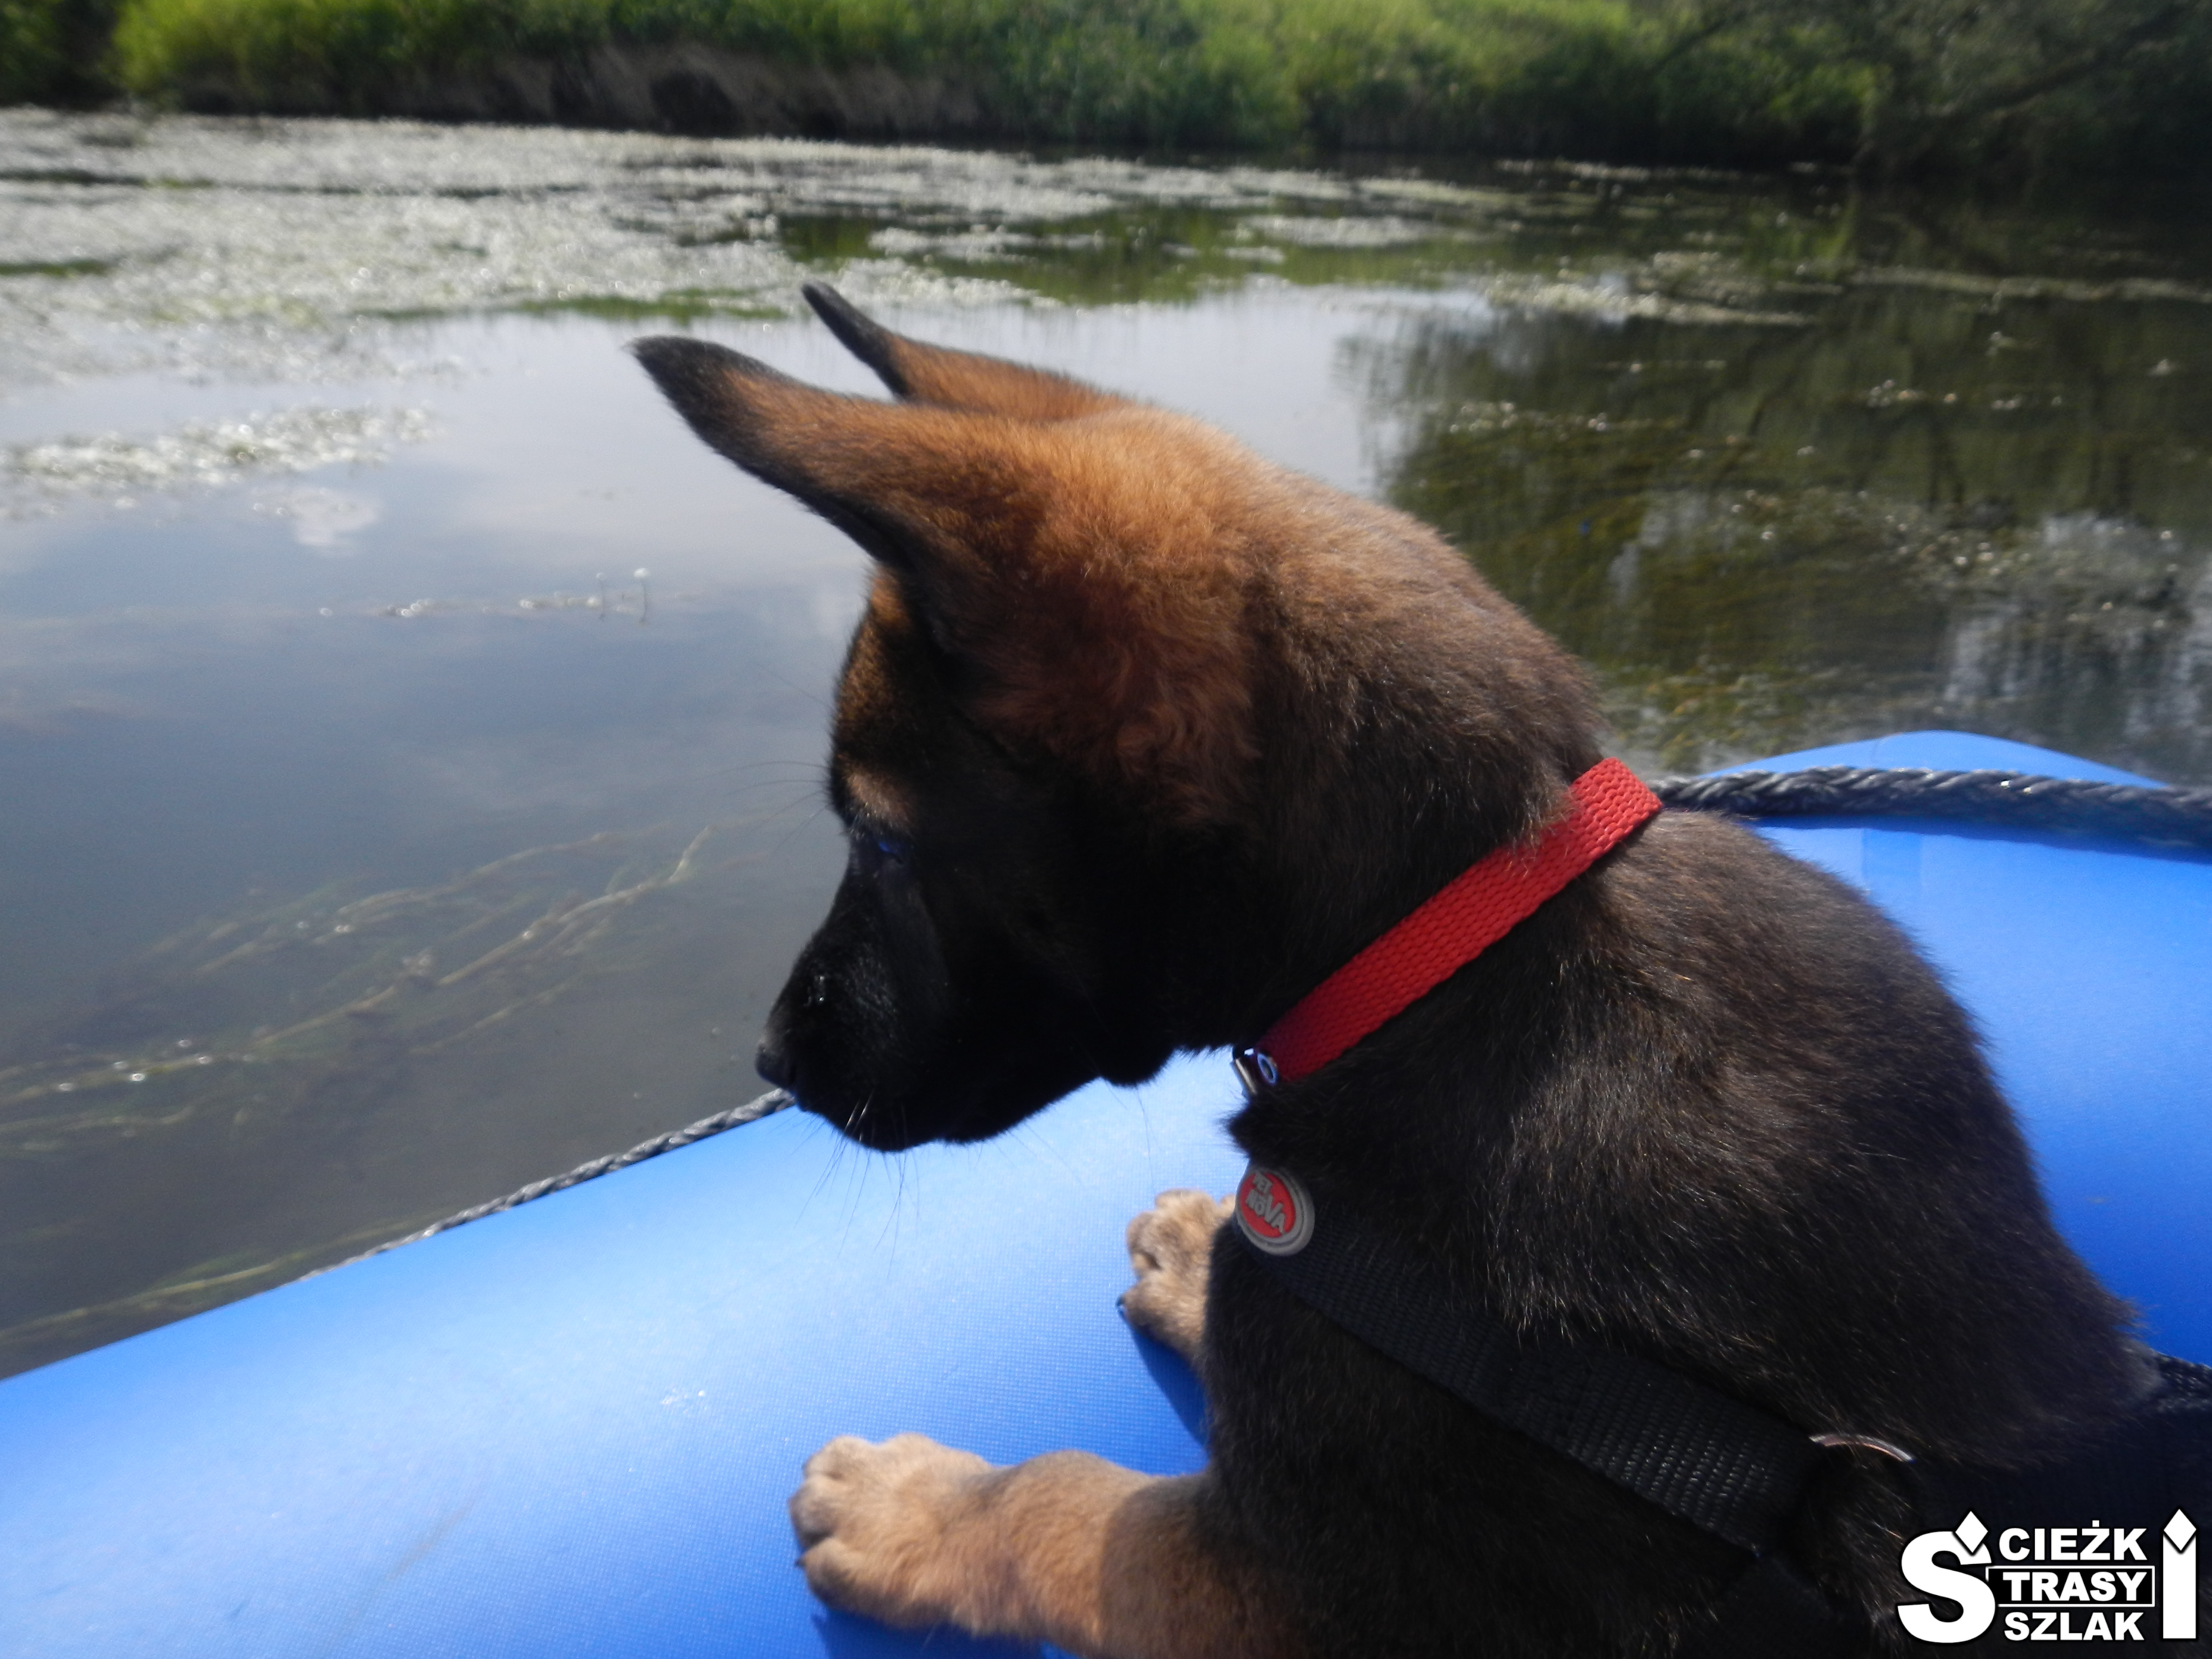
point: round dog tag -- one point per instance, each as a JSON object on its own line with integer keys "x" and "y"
{"x": 1274, "y": 1211}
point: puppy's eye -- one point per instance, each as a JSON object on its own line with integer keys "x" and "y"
{"x": 894, "y": 850}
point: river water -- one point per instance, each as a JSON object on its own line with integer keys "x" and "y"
{"x": 409, "y": 735}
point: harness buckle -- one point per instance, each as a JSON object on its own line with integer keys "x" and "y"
{"x": 1864, "y": 1442}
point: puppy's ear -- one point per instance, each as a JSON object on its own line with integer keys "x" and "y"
{"x": 1086, "y": 574}
{"x": 827, "y": 450}
{"x": 956, "y": 380}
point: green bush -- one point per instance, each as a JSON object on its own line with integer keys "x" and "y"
{"x": 51, "y": 52}
{"x": 1176, "y": 72}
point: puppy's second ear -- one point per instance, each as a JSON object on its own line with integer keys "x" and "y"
{"x": 1083, "y": 570}
{"x": 955, "y": 379}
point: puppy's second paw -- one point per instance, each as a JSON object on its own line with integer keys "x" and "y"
{"x": 873, "y": 1524}
{"x": 1170, "y": 1250}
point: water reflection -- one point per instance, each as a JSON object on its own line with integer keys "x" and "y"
{"x": 1919, "y": 509}
{"x": 380, "y": 835}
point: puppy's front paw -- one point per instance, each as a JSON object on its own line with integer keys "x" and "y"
{"x": 872, "y": 1523}
{"x": 1170, "y": 1250}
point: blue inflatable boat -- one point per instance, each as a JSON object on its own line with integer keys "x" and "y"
{"x": 570, "y": 1428}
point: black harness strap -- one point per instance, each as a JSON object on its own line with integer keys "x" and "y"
{"x": 1726, "y": 1468}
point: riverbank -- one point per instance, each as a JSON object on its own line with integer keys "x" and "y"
{"x": 2126, "y": 89}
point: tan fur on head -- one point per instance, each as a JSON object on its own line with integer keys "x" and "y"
{"x": 1129, "y": 654}
{"x": 1095, "y": 572}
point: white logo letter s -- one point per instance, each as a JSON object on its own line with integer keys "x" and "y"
{"x": 1978, "y": 1603}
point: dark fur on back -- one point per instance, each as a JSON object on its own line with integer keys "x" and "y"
{"x": 1706, "y": 1105}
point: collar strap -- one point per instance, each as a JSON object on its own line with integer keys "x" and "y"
{"x": 1451, "y": 929}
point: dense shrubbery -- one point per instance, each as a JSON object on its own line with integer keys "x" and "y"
{"x": 2110, "y": 82}
{"x": 54, "y": 51}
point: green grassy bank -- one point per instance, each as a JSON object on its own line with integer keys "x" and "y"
{"x": 2022, "y": 84}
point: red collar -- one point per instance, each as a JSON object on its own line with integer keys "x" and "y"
{"x": 1455, "y": 926}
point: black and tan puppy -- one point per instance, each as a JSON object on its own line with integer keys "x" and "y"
{"x": 1139, "y": 739}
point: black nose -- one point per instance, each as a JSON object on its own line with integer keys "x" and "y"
{"x": 772, "y": 1059}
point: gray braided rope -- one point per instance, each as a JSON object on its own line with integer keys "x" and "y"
{"x": 2023, "y": 800}
{"x": 2012, "y": 800}
{"x": 774, "y": 1101}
